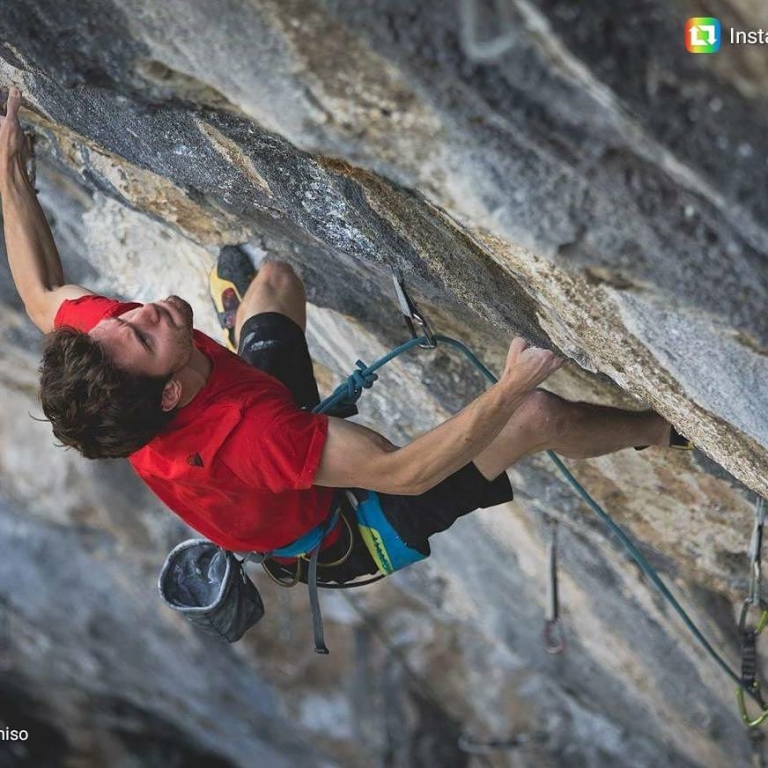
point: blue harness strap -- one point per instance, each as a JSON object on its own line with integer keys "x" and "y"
{"x": 309, "y": 540}
{"x": 388, "y": 551}
{"x": 310, "y": 543}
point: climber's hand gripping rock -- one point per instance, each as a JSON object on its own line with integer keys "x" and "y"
{"x": 15, "y": 147}
{"x": 528, "y": 366}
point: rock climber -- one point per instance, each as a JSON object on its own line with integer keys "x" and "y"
{"x": 225, "y": 437}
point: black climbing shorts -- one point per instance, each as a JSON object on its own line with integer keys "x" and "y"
{"x": 416, "y": 518}
{"x": 276, "y": 345}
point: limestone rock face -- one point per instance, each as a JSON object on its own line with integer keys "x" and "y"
{"x": 581, "y": 180}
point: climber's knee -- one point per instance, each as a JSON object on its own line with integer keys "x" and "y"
{"x": 276, "y": 288}
{"x": 541, "y": 421}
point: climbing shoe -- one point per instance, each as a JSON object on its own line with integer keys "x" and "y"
{"x": 676, "y": 440}
{"x": 228, "y": 282}
{"x": 680, "y": 442}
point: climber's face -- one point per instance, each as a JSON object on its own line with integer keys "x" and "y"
{"x": 154, "y": 339}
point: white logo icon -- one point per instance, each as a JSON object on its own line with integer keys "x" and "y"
{"x": 710, "y": 30}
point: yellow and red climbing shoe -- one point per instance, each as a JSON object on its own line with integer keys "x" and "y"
{"x": 228, "y": 282}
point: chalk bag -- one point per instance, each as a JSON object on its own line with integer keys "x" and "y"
{"x": 209, "y": 586}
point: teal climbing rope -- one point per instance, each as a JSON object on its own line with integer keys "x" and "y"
{"x": 363, "y": 378}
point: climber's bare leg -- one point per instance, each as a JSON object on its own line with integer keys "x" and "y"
{"x": 276, "y": 288}
{"x": 571, "y": 429}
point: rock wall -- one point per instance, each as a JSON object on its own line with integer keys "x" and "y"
{"x": 592, "y": 186}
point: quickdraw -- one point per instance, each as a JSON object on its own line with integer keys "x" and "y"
{"x": 554, "y": 640}
{"x": 411, "y": 312}
{"x": 749, "y": 633}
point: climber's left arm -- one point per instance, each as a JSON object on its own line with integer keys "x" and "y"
{"x": 32, "y": 254}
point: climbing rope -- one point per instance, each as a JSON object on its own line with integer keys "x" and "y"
{"x": 363, "y": 377}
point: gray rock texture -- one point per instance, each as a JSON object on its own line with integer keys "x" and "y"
{"x": 592, "y": 186}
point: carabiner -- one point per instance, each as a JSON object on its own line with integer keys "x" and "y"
{"x": 762, "y": 622}
{"x": 761, "y": 718}
{"x": 411, "y": 312}
{"x": 554, "y": 640}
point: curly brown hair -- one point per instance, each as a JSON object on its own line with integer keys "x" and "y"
{"x": 101, "y": 410}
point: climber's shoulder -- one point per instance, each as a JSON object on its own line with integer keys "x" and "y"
{"x": 42, "y": 305}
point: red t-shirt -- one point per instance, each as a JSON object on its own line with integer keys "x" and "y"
{"x": 237, "y": 462}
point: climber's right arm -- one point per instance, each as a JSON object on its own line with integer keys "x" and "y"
{"x": 357, "y": 457}
{"x": 32, "y": 255}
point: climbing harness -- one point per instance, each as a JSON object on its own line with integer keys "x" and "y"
{"x": 388, "y": 551}
{"x": 749, "y": 633}
{"x": 309, "y": 544}
{"x": 554, "y": 641}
